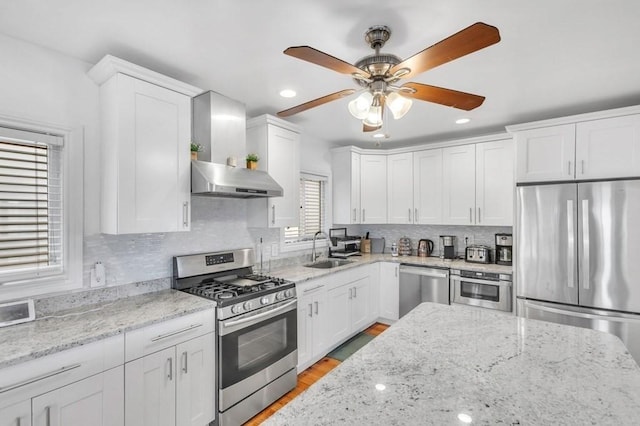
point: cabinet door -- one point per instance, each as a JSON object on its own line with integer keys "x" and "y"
{"x": 545, "y": 154}
{"x": 373, "y": 188}
{"x": 284, "y": 167}
{"x": 360, "y": 303}
{"x": 355, "y": 193}
{"x": 97, "y": 400}
{"x": 389, "y": 291}
{"x": 608, "y": 148}
{"x": 320, "y": 315}
{"x": 427, "y": 186}
{"x": 345, "y": 168}
{"x": 494, "y": 183}
{"x": 338, "y": 323}
{"x": 153, "y": 178}
{"x": 195, "y": 386}
{"x": 150, "y": 389}
{"x": 459, "y": 189}
{"x": 400, "y": 188}
{"x": 17, "y": 414}
{"x": 305, "y": 329}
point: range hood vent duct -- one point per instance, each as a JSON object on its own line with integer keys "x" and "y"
{"x": 219, "y": 125}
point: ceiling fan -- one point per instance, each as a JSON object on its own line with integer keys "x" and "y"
{"x": 378, "y": 74}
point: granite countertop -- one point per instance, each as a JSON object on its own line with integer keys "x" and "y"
{"x": 440, "y": 361}
{"x": 300, "y": 273}
{"x": 55, "y": 333}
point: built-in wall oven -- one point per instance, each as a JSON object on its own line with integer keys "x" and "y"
{"x": 484, "y": 289}
{"x": 256, "y": 330}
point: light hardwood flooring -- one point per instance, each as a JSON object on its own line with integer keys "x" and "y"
{"x": 306, "y": 379}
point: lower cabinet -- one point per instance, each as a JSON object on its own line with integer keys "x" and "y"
{"x": 96, "y": 400}
{"x": 18, "y": 414}
{"x": 389, "y": 292}
{"x": 312, "y": 316}
{"x": 348, "y": 306}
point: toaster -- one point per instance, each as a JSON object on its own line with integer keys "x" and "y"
{"x": 477, "y": 254}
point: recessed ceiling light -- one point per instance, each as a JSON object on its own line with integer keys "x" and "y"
{"x": 287, "y": 93}
{"x": 380, "y": 136}
{"x": 463, "y": 120}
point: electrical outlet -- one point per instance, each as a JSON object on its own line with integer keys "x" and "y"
{"x": 468, "y": 240}
{"x": 98, "y": 276}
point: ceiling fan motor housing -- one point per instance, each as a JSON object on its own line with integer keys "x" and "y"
{"x": 377, "y": 36}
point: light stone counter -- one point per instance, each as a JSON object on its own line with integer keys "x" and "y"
{"x": 48, "y": 335}
{"x": 300, "y": 273}
{"x": 440, "y": 361}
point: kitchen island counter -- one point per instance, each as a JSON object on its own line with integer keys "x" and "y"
{"x": 441, "y": 363}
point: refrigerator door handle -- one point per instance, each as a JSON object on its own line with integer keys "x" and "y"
{"x": 585, "y": 244}
{"x": 616, "y": 318}
{"x": 571, "y": 241}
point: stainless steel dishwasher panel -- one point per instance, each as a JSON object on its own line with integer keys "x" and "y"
{"x": 422, "y": 284}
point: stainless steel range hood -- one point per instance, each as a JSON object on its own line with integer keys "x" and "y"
{"x": 219, "y": 125}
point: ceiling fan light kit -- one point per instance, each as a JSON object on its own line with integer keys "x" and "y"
{"x": 378, "y": 72}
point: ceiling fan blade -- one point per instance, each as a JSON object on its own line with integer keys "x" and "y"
{"x": 317, "y": 57}
{"x": 316, "y": 102}
{"x": 442, "y": 96}
{"x": 473, "y": 38}
{"x": 367, "y": 128}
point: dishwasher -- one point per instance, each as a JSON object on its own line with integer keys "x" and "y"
{"x": 422, "y": 284}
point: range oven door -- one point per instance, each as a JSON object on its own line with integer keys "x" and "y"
{"x": 255, "y": 349}
{"x": 483, "y": 293}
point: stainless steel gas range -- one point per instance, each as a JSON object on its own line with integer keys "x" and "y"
{"x": 256, "y": 329}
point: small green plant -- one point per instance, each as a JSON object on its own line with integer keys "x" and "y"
{"x": 252, "y": 157}
{"x": 196, "y": 147}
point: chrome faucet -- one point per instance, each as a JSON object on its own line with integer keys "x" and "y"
{"x": 315, "y": 256}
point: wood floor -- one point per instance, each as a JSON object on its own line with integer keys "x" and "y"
{"x": 306, "y": 379}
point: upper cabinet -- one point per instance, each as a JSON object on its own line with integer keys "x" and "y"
{"x": 373, "y": 188}
{"x": 400, "y": 188}
{"x": 427, "y": 186}
{"x": 458, "y": 184}
{"x": 590, "y": 146}
{"x": 346, "y": 187}
{"x": 145, "y": 132}
{"x": 494, "y": 183}
{"x": 277, "y": 143}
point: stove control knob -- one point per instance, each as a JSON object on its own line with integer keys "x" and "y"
{"x": 280, "y": 295}
{"x": 288, "y": 293}
{"x": 264, "y": 300}
{"x": 247, "y": 305}
{"x": 236, "y": 309}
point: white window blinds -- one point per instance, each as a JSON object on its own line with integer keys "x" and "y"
{"x": 312, "y": 209}
{"x": 30, "y": 202}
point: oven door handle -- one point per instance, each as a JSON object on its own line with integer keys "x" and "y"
{"x": 500, "y": 283}
{"x": 261, "y": 315}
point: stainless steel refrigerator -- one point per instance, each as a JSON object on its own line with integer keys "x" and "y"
{"x": 578, "y": 256}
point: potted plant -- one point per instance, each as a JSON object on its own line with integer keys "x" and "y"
{"x": 252, "y": 161}
{"x": 195, "y": 149}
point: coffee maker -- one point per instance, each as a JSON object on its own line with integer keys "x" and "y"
{"x": 504, "y": 249}
{"x": 447, "y": 245}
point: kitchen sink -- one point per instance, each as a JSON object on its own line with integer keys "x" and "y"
{"x": 327, "y": 264}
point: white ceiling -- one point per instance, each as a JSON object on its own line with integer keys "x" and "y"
{"x": 556, "y": 57}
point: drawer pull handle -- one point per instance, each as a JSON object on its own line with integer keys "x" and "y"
{"x": 170, "y": 369}
{"x": 41, "y": 377}
{"x": 173, "y": 333}
{"x": 311, "y": 289}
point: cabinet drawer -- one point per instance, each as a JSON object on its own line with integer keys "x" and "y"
{"x": 153, "y": 338}
{"x": 51, "y": 372}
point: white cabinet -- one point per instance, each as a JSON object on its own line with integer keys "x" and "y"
{"x": 346, "y": 187}
{"x": 348, "y": 306}
{"x": 427, "y": 186}
{"x": 399, "y": 188}
{"x": 494, "y": 183}
{"x": 18, "y": 414}
{"x": 312, "y": 316}
{"x": 545, "y": 154}
{"x": 97, "y": 400}
{"x": 458, "y": 184}
{"x": 78, "y": 386}
{"x": 170, "y": 374}
{"x": 373, "y": 188}
{"x": 587, "y": 148}
{"x": 608, "y": 148}
{"x": 277, "y": 144}
{"x": 389, "y": 292}
{"x": 146, "y": 131}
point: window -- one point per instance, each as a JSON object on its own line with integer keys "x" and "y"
{"x": 40, "y": 234}
{"x": 312, "y": 209}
